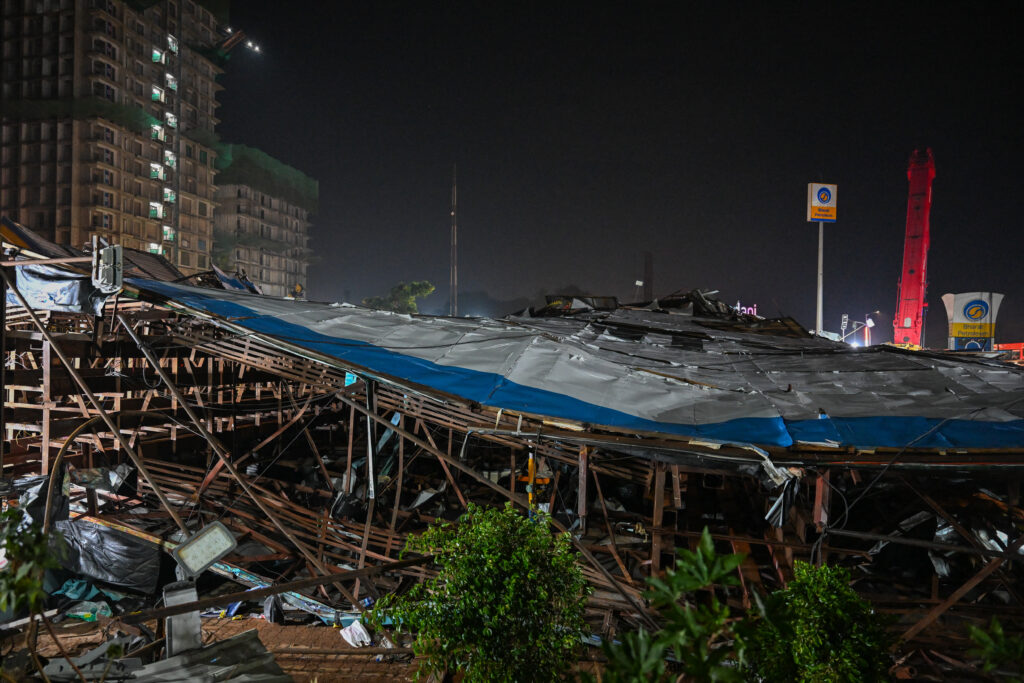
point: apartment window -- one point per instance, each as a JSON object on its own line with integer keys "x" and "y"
{"x": 103, "y": 47}
{"x": 184, "y": 259}
{"x": 171, "y": 120}
{"x": 105, "y": 26}
{"x": 108, "y": 135}
{"x": 107, "y": 157}
{"x": 169, "y": 158}
{"x": 202, "y": 156}
{"x": 102, "y": 220}
{"x": 171, "y": 82}
{"x": 172, "y": 43}
{"x": 154, "y": 248}
{"x": 105, "y": 70}
{"x": 156, "y": 210}
{"x": 200, "y": 260}
{"x": 105, "y": 199}
{"x": 158, "y": 56}
{"x": 189, "y": 151}
{"x": 202, "y": 208}
{"x": 157, "y": 133}
{"x": 156, "y": 171}
{"x": 105, "y": 91}
{"x": 168, "y": 194}
{"x": 157, "y": 94}
{"x": 108, "y": 177}
{"x": 168, "y": 233}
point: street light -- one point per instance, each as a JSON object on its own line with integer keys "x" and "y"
{"x": 858, "y": 325}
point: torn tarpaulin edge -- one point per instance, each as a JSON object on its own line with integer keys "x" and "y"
{"x": 56, "y": 289}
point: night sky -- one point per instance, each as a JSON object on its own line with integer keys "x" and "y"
{"x": 585, "y": 135}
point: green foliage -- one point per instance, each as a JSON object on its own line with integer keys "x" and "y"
{"x": 29, "y": 556}
{"x": 131, "y": 117}
{"x": 401, "y": 298}
{"x": 507, "y": 604}
{"x": 998, "y": 651}
{"x": 700, "y": 634}
{"x": 821, "y": 630}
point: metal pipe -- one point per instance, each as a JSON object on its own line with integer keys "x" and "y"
{"x": 222, "y": 453}
{"x": 511, "y": 496}
{"x": 136, "y": 458}
{"x": 276, "y": 589}
{"x": 931, "y": 545}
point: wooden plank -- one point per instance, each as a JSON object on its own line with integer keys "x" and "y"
{"x": 657, "y": 540}
{"x": 581, "y": 494}
{"x": 960, "y": 592}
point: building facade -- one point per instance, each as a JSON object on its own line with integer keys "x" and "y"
{"x": 265, "y": 236}
{"x": 107, "y": 123}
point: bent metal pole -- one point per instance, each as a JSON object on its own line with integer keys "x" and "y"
{"x": 135, "y": 457}
{"x": 223, "y": 454}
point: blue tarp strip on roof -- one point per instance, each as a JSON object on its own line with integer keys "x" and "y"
{"x": 493, "y": 389}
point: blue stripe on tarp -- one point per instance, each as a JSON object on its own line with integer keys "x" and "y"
{"x": 486, "y": 388}
{"x": 913, "y": 432}
{"x": 492, "y": 389}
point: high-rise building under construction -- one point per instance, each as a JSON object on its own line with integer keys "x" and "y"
{"x": 108, "y": 115}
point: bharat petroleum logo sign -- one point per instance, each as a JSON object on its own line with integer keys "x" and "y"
{"x": 976, "y": 310}
{"x": 824, "y": 195}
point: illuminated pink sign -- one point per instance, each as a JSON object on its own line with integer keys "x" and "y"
{"x": 746, "y": 310}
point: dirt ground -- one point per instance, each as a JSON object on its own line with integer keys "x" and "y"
{"x": 342, "y": 664}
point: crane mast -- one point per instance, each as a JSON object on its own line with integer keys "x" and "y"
{"x": 908, "y": 325}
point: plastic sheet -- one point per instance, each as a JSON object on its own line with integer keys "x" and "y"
{"x": 54, "y": 289}
{"x": 110, "y": 556}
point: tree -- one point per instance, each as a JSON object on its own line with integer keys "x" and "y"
{"x": 820, "y": 630}
{"x": 401, "y": 298}
{"x": 507, "y": 604}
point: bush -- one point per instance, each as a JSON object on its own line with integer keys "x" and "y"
{"x": 998, "y": 650}
{"x": 29, "y": 555}
{"x": 507, "y": 604}
{"x": 819, "y": 630}
{"x": 706, "y": 642}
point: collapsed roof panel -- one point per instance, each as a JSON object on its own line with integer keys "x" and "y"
{"x": 622, "y": 370}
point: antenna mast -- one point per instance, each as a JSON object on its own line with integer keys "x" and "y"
{"x": 453, "y": 282}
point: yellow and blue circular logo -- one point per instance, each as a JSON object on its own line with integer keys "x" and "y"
{"x": 976, "y": 309}
{"x": 824, "y": 195}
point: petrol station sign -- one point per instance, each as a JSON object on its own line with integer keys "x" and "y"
{"x": 821, "y": 202}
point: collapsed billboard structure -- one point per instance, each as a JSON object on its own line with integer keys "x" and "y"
{"x": 322, "y": 435}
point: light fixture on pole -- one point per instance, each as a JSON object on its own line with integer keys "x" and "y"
{"x": 858, "y": 325}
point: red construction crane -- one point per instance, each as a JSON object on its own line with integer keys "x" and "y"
{"x": 908, "y": 325}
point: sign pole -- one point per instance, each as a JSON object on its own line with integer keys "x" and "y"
{"x": 821, "y": 208}
{"x": 821, "y": 274}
